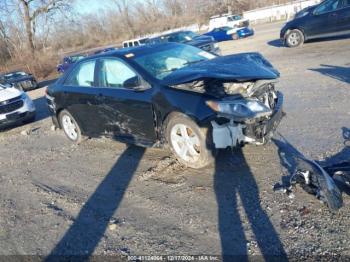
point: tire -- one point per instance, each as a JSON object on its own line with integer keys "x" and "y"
{"x": 294, "y": 38}
{"x": 235, "y": 37}
{"x": 70, "y": 126}
{"x": 198, "y": 150}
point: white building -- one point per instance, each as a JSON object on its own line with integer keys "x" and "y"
{"x": 277, "y": 12}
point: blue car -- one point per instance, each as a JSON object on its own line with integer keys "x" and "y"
{"x": 227, "y": 33}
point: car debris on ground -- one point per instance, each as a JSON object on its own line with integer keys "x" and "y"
{"x": 317, "y": 180}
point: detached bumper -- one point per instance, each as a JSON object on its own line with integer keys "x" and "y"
{"x": 252, "y": 131}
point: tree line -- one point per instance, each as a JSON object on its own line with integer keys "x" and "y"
{"x": 37, "y": 31}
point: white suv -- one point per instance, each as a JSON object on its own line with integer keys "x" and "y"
{"x": 134, "y": 42}
{"x": 15, "y": 107}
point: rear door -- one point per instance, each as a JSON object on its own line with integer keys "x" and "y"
{"x": 82, "y": 98}
{"x": 127, "y": 101}
{"x": 344, "y": 17}
{"x": 216, "y": 34}
{"x": 323, "y": 21}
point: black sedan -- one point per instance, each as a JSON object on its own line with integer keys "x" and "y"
{"x": 205, "y": 42}
{"x": 20, "y": 80}
{"x": 170, "y": 94}
{"x": 327, "y": 19}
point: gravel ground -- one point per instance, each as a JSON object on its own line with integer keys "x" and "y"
{"x": 105, "y": 198}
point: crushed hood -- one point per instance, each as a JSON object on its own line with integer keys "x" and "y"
{"x": 240, "y": 67}
{"x": 8, "y": 93}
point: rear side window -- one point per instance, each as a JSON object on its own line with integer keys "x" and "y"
{"x": 116, "y": 74}
{"x": 327, "y": 6}
{"x": 82, "y": 75}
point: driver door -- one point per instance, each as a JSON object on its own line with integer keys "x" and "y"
{"x": 125, "y": 102}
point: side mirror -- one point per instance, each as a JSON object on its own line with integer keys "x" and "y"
{"x": 137, "y": 84}
{"x": 132, "y": 82}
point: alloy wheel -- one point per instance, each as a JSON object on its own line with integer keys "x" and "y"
{"x": 70, "y": 127}
{"x": 294, "y": 39}
{"x": 185, "y": 142}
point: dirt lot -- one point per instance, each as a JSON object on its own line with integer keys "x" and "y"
{"x": 103, "y": 197}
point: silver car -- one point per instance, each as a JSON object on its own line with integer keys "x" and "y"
{"x": 15, "y": 107}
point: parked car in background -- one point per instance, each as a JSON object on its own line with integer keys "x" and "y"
{"x": 328, "y": 19}
{"x": 68, "y": 61}
{"x": 109, "y": 49}
{"x": 15, "y": 107}
{"x": 170, "y": 94}
{"x": 204, "y": 42}
{"x": 20, "y": 80}
{"x": 233, "y": 21}
{"x": 134, "y": 42}
{"x": 227, "y": 33}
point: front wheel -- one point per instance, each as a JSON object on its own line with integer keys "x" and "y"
{"x": 294, "y": 38}
{"x": 70, "y": 126}
{"x": 192, "y": 145}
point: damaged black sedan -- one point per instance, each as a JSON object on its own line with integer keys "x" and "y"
{"x": 170, "y": 94}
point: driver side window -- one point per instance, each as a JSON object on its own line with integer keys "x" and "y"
{"x": 116, "y": 74}
{"x": 328, "y": 6}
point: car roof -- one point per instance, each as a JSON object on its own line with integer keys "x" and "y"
{"x": 177, "y": 32}
{"x": 134, "y": 51}
{"x": 13, "y": 72}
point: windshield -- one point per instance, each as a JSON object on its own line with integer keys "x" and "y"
{"x": 14, "y": 75}
{"x": 162, "y": 63}
{"x": 182, "y": 37}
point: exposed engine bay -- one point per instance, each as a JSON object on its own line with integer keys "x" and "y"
{"x": 261, "y": 110}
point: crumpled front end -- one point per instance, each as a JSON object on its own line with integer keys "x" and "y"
{"x": 231, "y": 130}
{"x": 241, "y": 91}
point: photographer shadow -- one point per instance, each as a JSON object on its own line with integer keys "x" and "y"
{"x": 233, "y": 179}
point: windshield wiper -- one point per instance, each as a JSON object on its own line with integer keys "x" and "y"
{"x": 185, "y": 64}
{"x": 194, "y": 62}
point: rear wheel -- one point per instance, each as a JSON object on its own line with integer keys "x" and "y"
{"x": 70, "y": 126}
{"x": 294, "y": 38}
{"x": 235, "y": 36}
{"x": 191, "y": 145}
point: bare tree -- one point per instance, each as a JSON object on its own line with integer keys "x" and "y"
{"x": 124, "y": 11}
{"x": 174, "y": 7}
{"x": 31, "y": 10}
